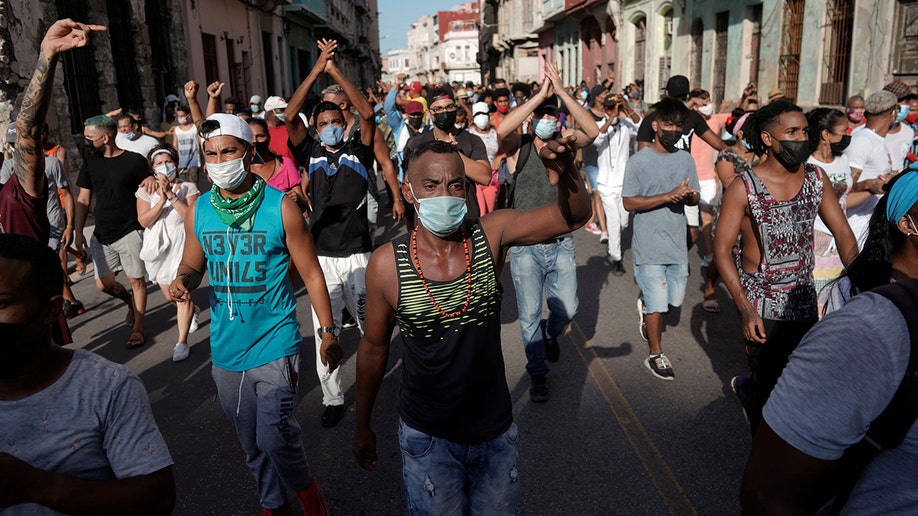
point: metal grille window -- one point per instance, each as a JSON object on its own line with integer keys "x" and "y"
{"x": 124, "y": 55}
{"x": 640, "y": 35}
{"x": 837, "y": 44}
{"x": 721, "y": 24}
{"x": 755, "y": 44}
{"x": 697, "y": 51}
{"x": 791, "y": 38}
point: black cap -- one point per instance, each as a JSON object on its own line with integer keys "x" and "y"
{"x": 611, "y": 100}
{"x": 677, "y": 86}
{"x": 439, "y": 92}
{"x": 548, "y": 107}
{"x": 597, "y": 91}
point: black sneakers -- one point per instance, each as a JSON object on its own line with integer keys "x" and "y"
{"x": 618, "y": 268}
{"x": 538, "y": 391}
{"x": 660, "y": 367}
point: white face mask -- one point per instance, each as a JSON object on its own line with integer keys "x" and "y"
{"x": 706, "y": 110}
{"x": 168, "y": 170}
{"x": 481, "y": 121}
{"x": 229, "y": 174}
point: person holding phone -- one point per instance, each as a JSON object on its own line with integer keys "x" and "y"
{"x": 163, "y": 214}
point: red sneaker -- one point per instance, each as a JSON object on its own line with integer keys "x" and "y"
{"x": 313, "y": 502}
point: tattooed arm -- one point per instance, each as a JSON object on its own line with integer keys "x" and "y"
{"x": 30, "y": 160}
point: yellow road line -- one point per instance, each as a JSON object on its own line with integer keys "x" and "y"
{"x": 656, "y": 467}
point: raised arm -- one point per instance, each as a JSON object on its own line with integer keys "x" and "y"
{"x": 191, "y": 95}
{"x": 588, "y": 129}
{"x": 364, "y": 109}
{"x": 507, "y": 136}
{"x": 296, "y": 130}
{"x": 214, "y": 90}
{"x": 29, "y": 165}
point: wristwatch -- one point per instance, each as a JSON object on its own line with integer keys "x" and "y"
{"x": 329, "y": 329}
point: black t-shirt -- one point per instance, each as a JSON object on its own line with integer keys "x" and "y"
{"x": 469, "y": 146}
{"x": 337, "y": 190}
{"x": 695, "y": 125}
{"x": 114, "y": 181}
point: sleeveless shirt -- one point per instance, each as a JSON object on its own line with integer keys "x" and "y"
{"x": 783, "y": 288}
{"x": 252, "y": 306}
{"x": 453, "y": 380}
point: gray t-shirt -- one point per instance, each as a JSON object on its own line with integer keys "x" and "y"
{"x": 532, "y": 187}
{"x": 839, "y": 379}
{"x": 659, "y": 234}
{"x": 93, "y": 423}
{"x": 56, "y": 179}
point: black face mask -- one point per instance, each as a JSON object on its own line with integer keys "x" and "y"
{"x": 15, "y": 352}
{"x": 669, "y": 139}
{"x": 415, "y": 122}
{"x": 445, "y": 120}
{"x": 90, "y": 149}
{"x": 262, "y": 149}
{"x": 793, "y": 153}
{"x": 839, "y": 147}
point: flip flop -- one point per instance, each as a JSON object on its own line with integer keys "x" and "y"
{"x": 136, "y": 340}
{"x": 711, "y": 305}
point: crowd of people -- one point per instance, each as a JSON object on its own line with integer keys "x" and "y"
{"x": 801, "y": 215}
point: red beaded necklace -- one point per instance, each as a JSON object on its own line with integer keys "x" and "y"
{"x": 468, "y": 271}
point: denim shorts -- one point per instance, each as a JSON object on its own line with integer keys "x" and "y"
{"x": 592, "y": 173}
{"x": 446, "y": 478}
{"x": 661, "y": 285}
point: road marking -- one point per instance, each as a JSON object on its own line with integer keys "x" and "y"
{"x": 656, "y": 467}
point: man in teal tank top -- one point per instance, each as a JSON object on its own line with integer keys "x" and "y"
{"x": 440, "y": 283}
{"x": 248, "y": 234}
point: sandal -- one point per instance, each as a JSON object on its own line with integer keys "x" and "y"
{"x": 711, "y": 305}
{"x": 136, "y": 340}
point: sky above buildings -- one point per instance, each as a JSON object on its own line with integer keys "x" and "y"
{"x": 396, "y": 17}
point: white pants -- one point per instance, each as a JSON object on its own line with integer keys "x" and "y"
{"x": 345, "y": 278}
{"x": 616, "y": 221}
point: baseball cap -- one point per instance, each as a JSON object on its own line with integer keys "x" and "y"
{"x": 275, "y": 103}
{"x": 677, "y": 86}
{"x": 414, "y": 107}
{"x": 226, "y": 125}
{"x": 415, "y": 86}
{"x": 255, "y": 99}
{"x": 480, "y": 107}
{"x": 549, "y": 107}
{"x": 611, "y": 100}
{"x": 879, "y": 102}
{"x": 11, "y": 133}
{"x": 597, "y": 91}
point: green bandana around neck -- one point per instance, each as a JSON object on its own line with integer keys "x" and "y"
{"x": 240, "y": 211}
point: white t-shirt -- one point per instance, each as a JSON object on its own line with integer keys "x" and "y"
{"x": 189, "y": 148}
{"x": 839, "y": 173}
{"x": 142, "y": 145}
{"x": 867, "y": 152}
{"x": 899, "y": 145}
{"x": 614, "y": 147}
{"x": 489, "y": 139}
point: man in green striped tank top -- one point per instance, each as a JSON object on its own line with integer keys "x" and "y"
{"x": 440, "y": 283}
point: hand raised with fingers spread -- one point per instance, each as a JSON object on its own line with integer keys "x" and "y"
{"x": 64, "y": 35}
{"x": 553, "y": 73}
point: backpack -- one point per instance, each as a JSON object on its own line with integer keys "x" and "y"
{"x": 889, "y": 429}
{"x": 507, "y": 180}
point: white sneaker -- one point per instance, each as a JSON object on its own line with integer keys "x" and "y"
{"x": 194, "y": 323}
{"x": 180, "y": 352}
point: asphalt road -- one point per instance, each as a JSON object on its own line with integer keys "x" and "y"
{"x": 612, "y": 439}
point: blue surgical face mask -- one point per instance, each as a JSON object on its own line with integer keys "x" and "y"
{"x": 545, "y": 128}
{"x": 746, "y": 144}
{"x": 903, "y": 112}
{"x": 280, "y": 117}
{"x": 130, "y": 135}
{"x": 584, "y": 94}
{"x": 332, "y": 134}
{"x": 441, "y": 215}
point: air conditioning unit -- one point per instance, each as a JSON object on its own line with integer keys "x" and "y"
{"x": 668, "y": 27}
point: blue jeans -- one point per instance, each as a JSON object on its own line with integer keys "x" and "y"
{"x": 445, "y": 478}
{"x": 550, "y": 268}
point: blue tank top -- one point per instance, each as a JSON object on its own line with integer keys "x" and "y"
{"x": 252, "y": 306}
